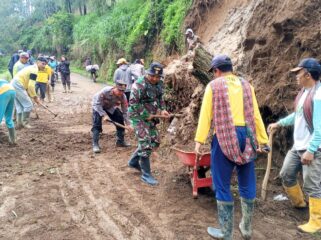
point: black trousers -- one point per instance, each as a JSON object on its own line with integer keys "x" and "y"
{"x": 117, "y": 116}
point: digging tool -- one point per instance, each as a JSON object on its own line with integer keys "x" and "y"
{"x": 268, "y": 168}
{"x": 44, "y": 106}
{"x": 170, "y": 115}
{"x": 117, "y": 124}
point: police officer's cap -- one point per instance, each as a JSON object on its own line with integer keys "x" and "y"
{"x": 121, "y": 82}
{"x": 155, "y": 69}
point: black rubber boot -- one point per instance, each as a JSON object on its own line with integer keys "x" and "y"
{"x": 146, "y": 173}
{"x": 134, "y": 161}
{"x": 120, "y": 134}
{"x": 96, "y": 148}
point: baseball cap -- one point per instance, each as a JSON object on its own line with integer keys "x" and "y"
{"x": 220, "y": 60}
{"x": 120, "y": 82}
{"x": 311, "y": 64}
{"x": 24, "y": 55}
{"x": 155, "y": 68}
{"x": 42, "y": 59}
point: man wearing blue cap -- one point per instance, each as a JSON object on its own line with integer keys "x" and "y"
{"x": 146, "y": 101}
{"x": 306, "y": 151}
{"x": 230, "y": 105}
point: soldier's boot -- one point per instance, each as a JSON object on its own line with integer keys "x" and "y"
{"x": 96, "y": 148}
{"x": 65, "y": 88}
{"x": 225, "y": 211}
{"x": 146, "y": 173}
{"x": 12, "y": 135}
{"x": 246, "y": 222}
{"x": 19, "y": 121}
{"x": 296, "y": 196}
{"x": 134, "y": 161}
{"x": 314, "y": 224}
{"x": 120, "y": 142}
{"x": 26, "y": 120}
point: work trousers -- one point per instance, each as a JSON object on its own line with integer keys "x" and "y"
{"x": 311, "y": 173}
{"x": 6, "y": 107}
{"x": 23, "y": 102}
{"x": 117, "y": 116}
{"x": 65, "y": 79}
{"x": 43, "y": 88}
{"x": 222, "y": 169}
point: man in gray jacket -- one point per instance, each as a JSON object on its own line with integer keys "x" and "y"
{"x": 121, "y": 74}
{"x": 106, "y": 105}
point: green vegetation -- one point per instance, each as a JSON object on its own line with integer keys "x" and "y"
{"x": 102, "y": 30}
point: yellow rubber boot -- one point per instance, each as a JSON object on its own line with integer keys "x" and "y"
{"x": 296, "y": 196}
{"x": 314, "y": 224}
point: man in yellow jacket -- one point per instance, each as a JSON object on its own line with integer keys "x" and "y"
{"x": 230, "y": 105}
{"x": 42, "y": 82}
{"x": 24, "y": 84}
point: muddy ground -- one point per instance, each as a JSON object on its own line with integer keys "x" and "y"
{"x": 53, "y": 187}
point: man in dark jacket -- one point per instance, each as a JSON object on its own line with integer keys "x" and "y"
{"x": 15, "y": 57}
{"x": 64, "y": 70}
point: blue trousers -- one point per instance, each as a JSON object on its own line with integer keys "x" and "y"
{"x": 6, "y": 107}
{"x": 222, "y": 169}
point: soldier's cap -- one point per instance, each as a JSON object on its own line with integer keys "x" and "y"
{"x": 311, "y": 64}
{"x": 120, "y": 82}
{"x": 42, "y": 59}
{"x": 220, "y": 60}
{"x": 122, "y": 61}
{"x": 24, "y": 55}
{"x": 155, "y": 68}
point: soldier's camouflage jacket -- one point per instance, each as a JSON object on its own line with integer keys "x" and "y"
{"x": 145, "y": 99}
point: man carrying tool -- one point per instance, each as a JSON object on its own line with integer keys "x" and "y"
{"x": 146, "y": 100}
{"x": 230, "y": 104}
{"x": 24, "y": 84}
{"x": 305, "y": 154}
{"x": 7, "y": 96}
{"x": 106, "y": 104}
{"x": 42, "y": 82}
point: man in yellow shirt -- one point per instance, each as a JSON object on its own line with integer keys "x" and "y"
{"x": 43, "y": 80}
{"x": 24, "y": 84}
{"x": 230, "y": 105}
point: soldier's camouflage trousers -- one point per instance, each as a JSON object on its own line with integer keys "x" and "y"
{"x": 147, "y": 136}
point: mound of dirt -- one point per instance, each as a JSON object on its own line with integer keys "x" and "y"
{"x": 264, "y": 39}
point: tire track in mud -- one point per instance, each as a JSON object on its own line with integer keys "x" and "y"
{"x": 133, "y": 200}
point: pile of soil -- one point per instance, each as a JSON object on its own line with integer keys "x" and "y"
{"x": 265, "y": 40}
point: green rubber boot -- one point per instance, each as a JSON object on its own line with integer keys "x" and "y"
{"x": 225, "y": 211}
{"x": 26, "y": 120}
{"x": 12, "y": 135}
{"x": 247, "y": 214}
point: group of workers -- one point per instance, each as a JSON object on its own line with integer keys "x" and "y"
{"x": 29, "y": 85}
{"x": 229, "y": 104}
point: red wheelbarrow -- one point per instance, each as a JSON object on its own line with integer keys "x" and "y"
{"x": 191, "y": 160}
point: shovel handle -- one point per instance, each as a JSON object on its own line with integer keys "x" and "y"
{"x": 268, "y": 168}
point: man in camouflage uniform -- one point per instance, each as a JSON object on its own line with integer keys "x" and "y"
{"x": 146, "y": 100}
{"x": 106, "y": 105}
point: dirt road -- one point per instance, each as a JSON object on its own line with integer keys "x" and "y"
{"x": 53, "y": 187}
